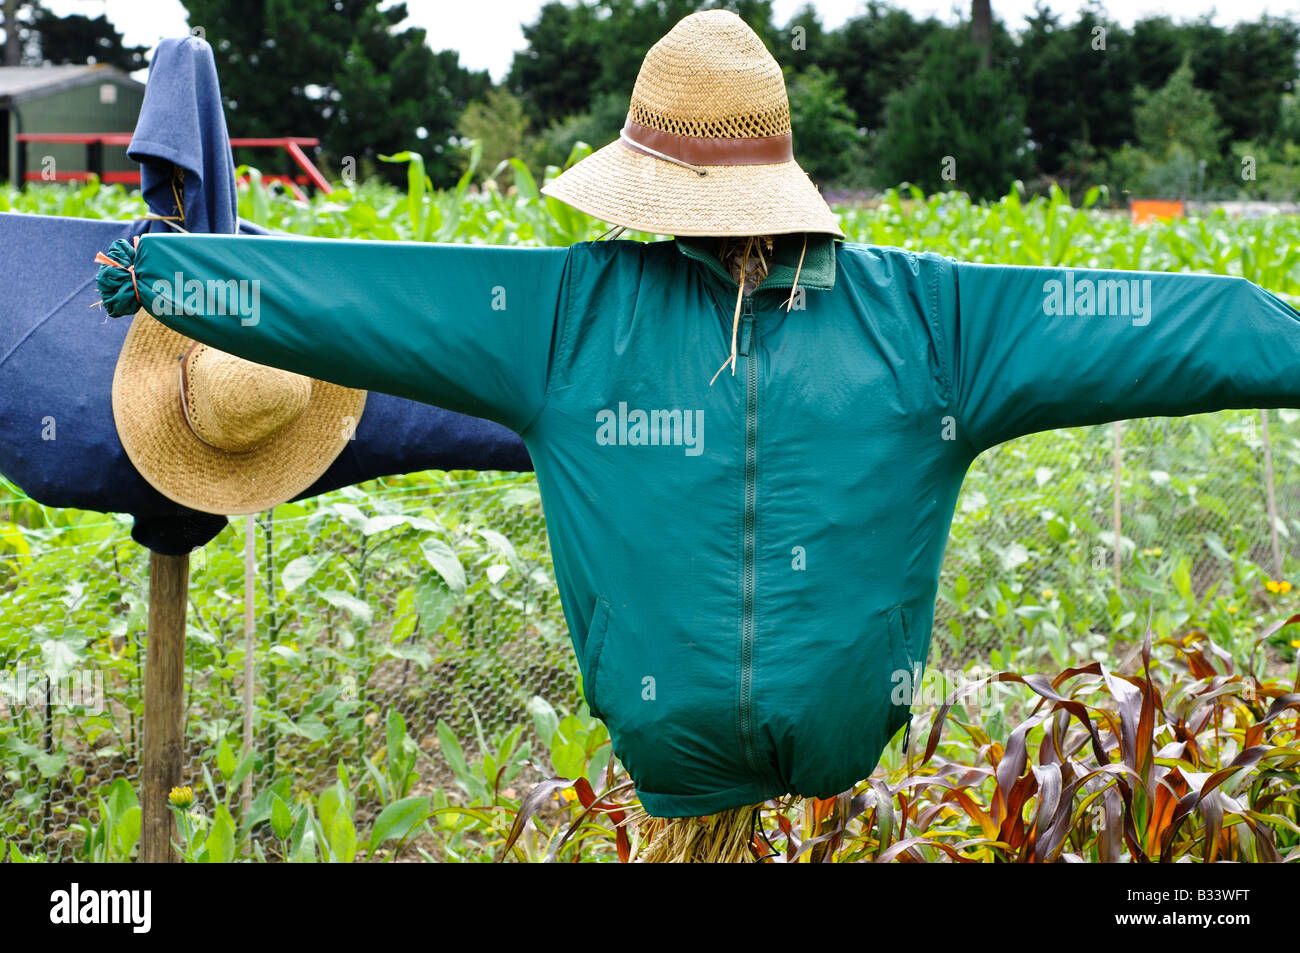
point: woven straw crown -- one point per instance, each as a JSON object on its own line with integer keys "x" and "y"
{"x": 236, "y": 405}
{"x": 711, "y": 77}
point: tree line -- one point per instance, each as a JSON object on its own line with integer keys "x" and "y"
{"x": 887, "y": 97}
{"x": 1168, "y": 108}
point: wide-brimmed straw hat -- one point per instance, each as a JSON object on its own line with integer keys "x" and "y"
{"x": 220, "y": 434}
{"x": 707, "y": 147}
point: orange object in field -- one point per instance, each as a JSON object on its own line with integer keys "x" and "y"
{"x": 1149, "y": 210}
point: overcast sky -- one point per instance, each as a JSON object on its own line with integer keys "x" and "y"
{"x": 487, "y": 32}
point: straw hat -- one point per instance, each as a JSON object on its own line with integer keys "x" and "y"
{"x": 220, "y": 434}
{"x": 706, "y": 149}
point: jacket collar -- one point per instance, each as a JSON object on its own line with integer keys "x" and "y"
{"x": 818, "y": 272}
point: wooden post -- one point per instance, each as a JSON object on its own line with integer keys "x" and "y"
{"x": 164, "y": 703}
{"x": 1271, "y": 498}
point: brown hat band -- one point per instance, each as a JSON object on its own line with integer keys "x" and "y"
{"x": 699, "y": 151}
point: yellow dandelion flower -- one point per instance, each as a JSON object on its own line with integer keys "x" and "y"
{"x": 569, "y": 794}
{"x": 1049, "y": 593}
{"x": 1284, "y": 586}
{"x": 1272, "y": 586}
{"x": 1232, "y": 610}
{"x": 181, "y": 797}
{"x": 1295, "y": 643}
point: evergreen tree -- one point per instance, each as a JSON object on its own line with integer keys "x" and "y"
{"x": 498, "y": 124}
{"x": 957, "y": 126}
{"x": 1077, "y": 83}
{"x": 873, "y": 56}
{"x": 554, "y": 74}
{"x": 1178, "y": 114}
{"x": 826, "y": 138}
{"x": 80, "y": 39}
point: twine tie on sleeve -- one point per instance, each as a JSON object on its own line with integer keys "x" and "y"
{"x": 114, "y": 270}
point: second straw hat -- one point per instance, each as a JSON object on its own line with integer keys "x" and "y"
{"x": 220, "y": 434}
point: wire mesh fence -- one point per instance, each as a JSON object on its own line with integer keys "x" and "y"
{"x": 432, "y": 596}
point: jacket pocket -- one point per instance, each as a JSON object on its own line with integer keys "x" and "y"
{"x": 905, "y": 678}
{"x": 591, "y": 652}
{"x": 900, "y": 644}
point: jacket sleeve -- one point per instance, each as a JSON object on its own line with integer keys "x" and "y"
{"x": 1036, "y": 348}
{"x": 465, "y": 327}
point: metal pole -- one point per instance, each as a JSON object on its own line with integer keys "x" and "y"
{"x": 250, "y": 641}
{"x": 164, "y": 703}
{"x": 271, "y": 628}
{"x": 1272, "y": 499}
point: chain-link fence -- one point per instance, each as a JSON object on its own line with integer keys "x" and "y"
{"x": 1069, "y": 542}
{"x": 433, "y": 596}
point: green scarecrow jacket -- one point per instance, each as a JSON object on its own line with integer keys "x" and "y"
{"x": 749, "y": 568}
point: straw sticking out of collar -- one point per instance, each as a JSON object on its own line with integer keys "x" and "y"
{"x": 794, "y": 287}
{"x": 735, "y": 319}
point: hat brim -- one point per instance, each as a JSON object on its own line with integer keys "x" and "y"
{"x": 159, "y": 442}
{"x": 622, "y": 186}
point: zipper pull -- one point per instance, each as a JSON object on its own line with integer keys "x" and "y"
{"x": 746, "y": 328}
{"x": 907, "y": 738}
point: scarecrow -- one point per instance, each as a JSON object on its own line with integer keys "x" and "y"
{"x": 749, "y": 439}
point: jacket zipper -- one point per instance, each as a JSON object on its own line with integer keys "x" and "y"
{"x": 744, "y": 348}
{"x": 749, "y": 352}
